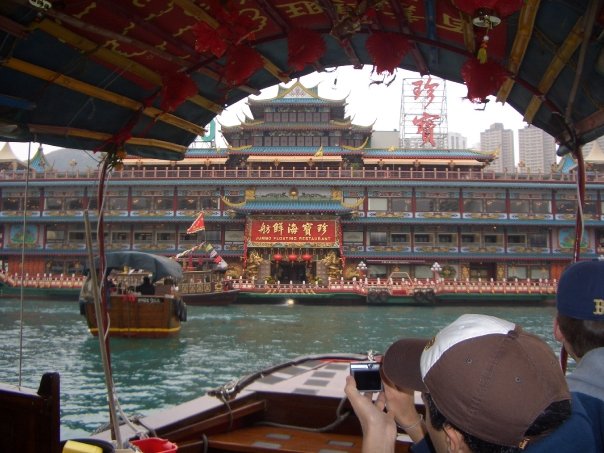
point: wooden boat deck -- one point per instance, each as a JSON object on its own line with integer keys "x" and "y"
{"x": 298, "y": 407}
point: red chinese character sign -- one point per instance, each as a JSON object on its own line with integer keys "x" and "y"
{"x": 271, "y": 232}
{"x": 423, "y": 113}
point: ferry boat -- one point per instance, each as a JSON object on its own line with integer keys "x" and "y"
{"x": 125, "y": 78}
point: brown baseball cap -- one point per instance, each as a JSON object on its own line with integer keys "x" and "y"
{"x": 485, "y": 375}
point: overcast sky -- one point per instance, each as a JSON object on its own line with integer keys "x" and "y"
{"x": 380, "y": 105}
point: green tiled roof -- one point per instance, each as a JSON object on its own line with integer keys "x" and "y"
{"x": 293, "y": 206}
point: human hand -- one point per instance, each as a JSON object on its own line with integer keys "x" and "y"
{"x": 379, "y": 428}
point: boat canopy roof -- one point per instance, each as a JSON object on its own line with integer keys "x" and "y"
{"x": 146, "y": 76}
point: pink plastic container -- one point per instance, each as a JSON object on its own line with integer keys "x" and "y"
{"x": 155, "y": 445}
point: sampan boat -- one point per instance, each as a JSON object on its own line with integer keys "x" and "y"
{"x": 131, "y": 314}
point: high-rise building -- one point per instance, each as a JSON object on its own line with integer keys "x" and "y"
{"x": 456, "y": 141}
{"x": 498, "y": 138}
{"x": 537, "y": 150}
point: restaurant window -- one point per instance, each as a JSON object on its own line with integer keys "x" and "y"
{"x": 517, "y": 272}
{"x": 163, "y": 203}
{"x": 143, "y": 236}
{"x": 541, "y": 207}
{"x": 74, "y": 204}
{"x": 213, "y": 236}
{"x": 516, "y": 239}
{"x": 377, "y": 271}
{"x": 446, "y": 238}
{"x": 495, "y": 206}
{"x": 11, "y": 204}
{"x": 492, "y": 239}
{"x": 519, "y": 206}
{"x": 79, "y": 237}
{"x": 120, "y": 236}
{"x": 400, "y": 204}
{"x": 538, "y": 272}
{"x": 186, "y": 203}
{"x": 141, "y": 203}
{"x": 352, "y": 237}
{"x": 54, "y": 204}
{"x": 473, "y": 205}
{"x": 234, "y": 236}
{"x": 399, "y": 238}
{"x": 377, "y": 204}
{"x": 422, "y": 238}
{"x": 425, "y": 205}
{"x": 537, "y": 240}
{"x": 92, "y": 203}
{"x": 378, "y": 238}
{"x": 55, "y": 234}
{"x": 118, "y": 203}
{"x": 469, "y": 238}
{"x": 166, "y": 236}
{"x": 447, "y": 204}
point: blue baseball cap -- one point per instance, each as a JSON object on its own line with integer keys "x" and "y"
{"x": 580, "y": 292}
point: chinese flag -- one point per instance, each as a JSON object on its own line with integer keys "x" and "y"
{"x": 197, "y": 225}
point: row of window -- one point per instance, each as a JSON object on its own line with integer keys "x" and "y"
{"x": 60, "y": 234}
{"x": 474, "y": 205}
{"x": 381, "y": 238}
{"x": 395, "y": 204}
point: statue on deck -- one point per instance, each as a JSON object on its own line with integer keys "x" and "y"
{"x": 253, "y": 263}
{"x": 333, "y": 264}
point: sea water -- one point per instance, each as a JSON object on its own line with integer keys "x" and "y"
{"x": 215, "y": 345}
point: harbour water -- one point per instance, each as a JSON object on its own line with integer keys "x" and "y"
{"x": 215, "y": 345}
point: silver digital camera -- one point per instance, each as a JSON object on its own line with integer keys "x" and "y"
{"x": 367, "y": 376}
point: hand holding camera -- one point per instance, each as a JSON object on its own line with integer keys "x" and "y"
{"x": 367, "y": 376}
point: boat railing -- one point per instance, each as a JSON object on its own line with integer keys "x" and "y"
{"x": 407, "y": 286}
{"x": 365, "y": 173}
{"x": 39, "y": 280}
{"x": 358, "y": 286}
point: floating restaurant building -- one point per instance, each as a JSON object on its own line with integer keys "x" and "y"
{"x": 300, "y": 194}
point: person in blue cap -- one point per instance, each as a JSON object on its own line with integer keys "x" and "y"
{"x": 579, "y": 326}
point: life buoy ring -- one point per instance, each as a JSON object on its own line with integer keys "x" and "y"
{"x": 383, "y": 297}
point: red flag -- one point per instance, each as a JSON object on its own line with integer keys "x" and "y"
{"x": 197, "y": 225}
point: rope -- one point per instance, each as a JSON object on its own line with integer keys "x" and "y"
{"x": 23, "y": 226}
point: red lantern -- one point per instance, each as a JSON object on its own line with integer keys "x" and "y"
{"x": 292, "y": 257}
{"x": 307, "y": 257}
{"x": 277, "y": 257}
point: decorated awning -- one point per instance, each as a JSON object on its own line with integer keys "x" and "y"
{"x": 457, "y": 163}
{"x": 184, "y": 162}
{"x": 285, "y": 158}
{"x": 282, "y": 231}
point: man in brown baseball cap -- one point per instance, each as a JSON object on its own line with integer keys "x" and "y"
{"x": 488, "y": 386}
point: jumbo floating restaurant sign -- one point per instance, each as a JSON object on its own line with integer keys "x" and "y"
{"x": 269, "y": 232}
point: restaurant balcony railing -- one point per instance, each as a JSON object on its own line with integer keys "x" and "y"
{"x": 368, "y": 174}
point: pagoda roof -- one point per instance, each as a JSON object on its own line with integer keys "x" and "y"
{"x": 264, "y": 125}
{"x": 291, "y": 205}
{"x": 308, "y": 151}
{"x": 386, "y": 154}
{"x": 297, "y": 94}
{"x": 7, "y": 154}
{"x": 596, "y": 155}
{"x": 39, "y": 162}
